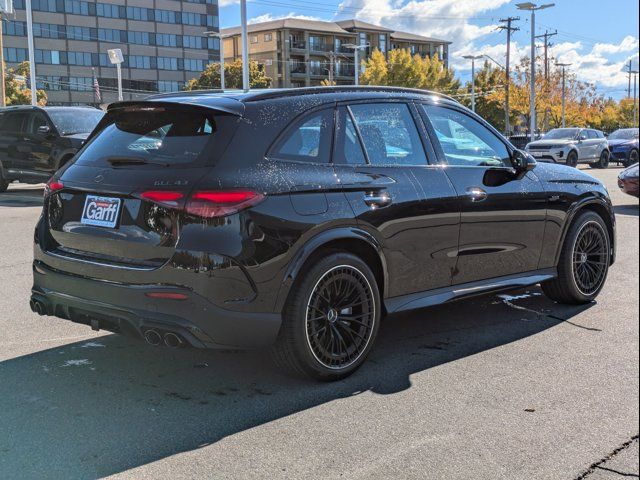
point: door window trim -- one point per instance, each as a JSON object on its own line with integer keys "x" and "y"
{"x": 431, "y": 131}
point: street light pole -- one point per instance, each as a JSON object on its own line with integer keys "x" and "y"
{"x": 635, "y": 97}
{"x": 532, "y": 7}
{"x": 32, "y": 61}
{"x": 212, "y": 34}
{"x": 473, "y": 59}
{"x": 564, "y": 66}
{"x": 245, "y": 46}
{"x": 356, "y": 50}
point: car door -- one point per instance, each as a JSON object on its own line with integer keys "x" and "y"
{"x": 585, "y": 146}
{"x": 409, "y": 205}
{"x": 12, "y": 154}
{"x": 502, "y": 217}
{"x": 38, "y": 143}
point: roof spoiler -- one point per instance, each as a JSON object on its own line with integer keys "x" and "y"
{"x": 212, "y": 102}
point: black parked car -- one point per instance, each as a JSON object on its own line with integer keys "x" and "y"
{"x": 300, "y": 218}
{"x": 37, "y": 141}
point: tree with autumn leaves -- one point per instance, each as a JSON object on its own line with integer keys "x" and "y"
{"x": 16, "y": 87}
{"x": 402, "y": 69}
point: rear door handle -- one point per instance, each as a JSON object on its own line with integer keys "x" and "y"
{"x": 377, "y": 199}
{"x": 476, "y": 194}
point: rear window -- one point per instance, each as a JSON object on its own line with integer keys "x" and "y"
{"x": 164, "y": 136}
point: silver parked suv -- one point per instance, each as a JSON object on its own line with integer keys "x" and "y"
{"x": 572, "y": 146}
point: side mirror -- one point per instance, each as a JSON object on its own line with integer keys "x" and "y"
{"x": 522, "y": 163}
{"x": 44, "y": 130}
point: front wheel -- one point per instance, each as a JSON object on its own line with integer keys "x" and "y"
{"x": 633, "y": 158}
{"x": 584, "y": 262}
{"x": 572, "y": 159}
{"x": 331, "y": 319}
{"x": 603, "y": 162}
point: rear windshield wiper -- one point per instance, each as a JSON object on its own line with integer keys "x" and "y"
{"x": 134, "y": 161}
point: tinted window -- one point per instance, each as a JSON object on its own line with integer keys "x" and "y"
{"x": 309, "y": 140}
{"x": 156, "y": 135}
{"x": 13, "y": 122}
{"x": 389, "y": 134}
{"x": 348, "y": 147}
{"x": 73, "y": 121}
{"x": 592, "y": 134}
{"x": 561, "y": 134}
{"x": 465, "y": 141}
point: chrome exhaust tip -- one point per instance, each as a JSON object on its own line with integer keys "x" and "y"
{"x": 152, "y": 337}
{"x": 172, "y": 340}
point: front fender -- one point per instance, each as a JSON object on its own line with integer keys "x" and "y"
{"x": 318, "y": 241}
{"x": 601, "y": 204}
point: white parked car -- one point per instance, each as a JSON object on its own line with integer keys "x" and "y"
{"x": 572, "y": 146}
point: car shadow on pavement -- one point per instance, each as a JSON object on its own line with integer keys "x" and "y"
{"x": 21, "y": 197}
{"x": 96, "y": 408}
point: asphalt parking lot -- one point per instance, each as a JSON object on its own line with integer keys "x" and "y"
{"x": 500, "y": 387}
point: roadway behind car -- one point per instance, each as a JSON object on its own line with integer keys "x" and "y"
{"x": 500, "y": 387}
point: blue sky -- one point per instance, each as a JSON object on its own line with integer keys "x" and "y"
{"x": 596, "y": 36}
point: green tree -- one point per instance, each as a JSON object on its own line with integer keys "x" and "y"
{"x": 16, "y": 87}
{"x": 489, "y": 81}
{"x": 210, "y": 77}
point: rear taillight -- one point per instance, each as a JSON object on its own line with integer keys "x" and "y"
{"x": 52, "y": 186}
{"x": 205, "y": 204}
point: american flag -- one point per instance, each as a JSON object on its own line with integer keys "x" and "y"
{"x": 96, "y": 89}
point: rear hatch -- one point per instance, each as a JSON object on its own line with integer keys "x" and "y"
{"x": 120, "y": 201}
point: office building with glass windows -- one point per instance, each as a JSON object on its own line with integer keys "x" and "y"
{"x": 298, "y": 53}
{"x": 162, "y": 41}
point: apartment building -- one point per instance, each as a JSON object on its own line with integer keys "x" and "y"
{"x": 299, "y": 53}
{"x": 163, "y": 43}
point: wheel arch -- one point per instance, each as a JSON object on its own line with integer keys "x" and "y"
{"x": 351, "y": 240}
{"x": 598, "y": 206}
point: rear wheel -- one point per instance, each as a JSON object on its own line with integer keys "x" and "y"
{"x": 572, "y": 159}
{"x": 584, "y": 262}
{"x": 632, "y": 159}
{"x": 603, "y": 162}
{"x": 3, "y": 183}
{"x": 331, "y": 319}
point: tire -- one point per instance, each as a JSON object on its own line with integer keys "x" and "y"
{"x": 603, "y": 162}
{"x": 632, "y": 159}
{"x": 3, "y": 183}
{"x": 584, "y": 262}
{"x": 572, "y": 159}
{"x": 328, "y": 331}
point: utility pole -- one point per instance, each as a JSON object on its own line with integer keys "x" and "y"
{"x": 509, "y": 29}
{"x": 564, "y": 66}
{"x": 32, "y": 62}
{"x": 635, "y": 98}
{"x": 3, "y": 100}
{"x": 546, "y": 35}
{"x": 629, "y": 72}
{"x": 332, "y": 59}
{"x": 245, "y": 46}
{"x": 532, "y": 7}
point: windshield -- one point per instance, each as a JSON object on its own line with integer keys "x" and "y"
{"x": 69, "y": 122}
{"x": 624, "y": 134}
{"x": 141, "y": 136}
{"x": 562, "y": 134}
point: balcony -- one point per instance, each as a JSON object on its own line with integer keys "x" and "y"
{"x": 316, "y": 70}
{"x": 298, "y": 69}
{"x": 320, "y": 47}
{"x": 298, "y": 44}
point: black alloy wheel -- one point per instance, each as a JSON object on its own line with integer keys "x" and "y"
{"x": 340, "y": 317}
{"x": 572, "y": 159}
{"x": 590, "y": 258}
{"x": 633, "y": 158}
{"x": 331, "y": 319}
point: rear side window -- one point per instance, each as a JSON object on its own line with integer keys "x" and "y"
{"x": 309, "y": 140}
{"x": 166, "y": 136}
{"x": 35, "y": 121}
{"x": 13, "y": 122}
{"x": 389, "y": 134}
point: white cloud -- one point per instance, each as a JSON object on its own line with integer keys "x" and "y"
{"x": 268, "y": 17}
{"x": 628, "y": 44}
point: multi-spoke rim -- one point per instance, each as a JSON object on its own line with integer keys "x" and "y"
{"x": 340, "y": 317}
{"x": 590, "y": 258}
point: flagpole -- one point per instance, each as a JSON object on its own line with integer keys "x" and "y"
{"x": 95, "y": 81}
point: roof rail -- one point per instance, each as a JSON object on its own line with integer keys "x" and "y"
{"x": 257, "y": 95}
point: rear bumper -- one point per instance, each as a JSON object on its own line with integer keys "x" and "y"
{"x": 126, "y": 308}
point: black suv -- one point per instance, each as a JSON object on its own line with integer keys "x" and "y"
{"x": 37, "y": 141}
{"x": 298, "y": 219}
